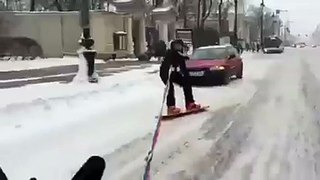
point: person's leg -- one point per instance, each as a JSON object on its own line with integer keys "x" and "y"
{"x": 171, "y": 101}
{"x": 170, "y": 96}
{"x": 187, "y": 88}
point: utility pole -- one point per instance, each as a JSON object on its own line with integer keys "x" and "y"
{"x": 198, "y": 14}
{"x": 7, "y": 4}
{"x": 235, "y": 29}
{"x": 86, "y": 54}
{"x": 261, "y": 21}
{"x": 220, "y": 17}
{"x": 185, "y": 11}
{"x": 274, "y": 21}
{"x": 32, "y": 5}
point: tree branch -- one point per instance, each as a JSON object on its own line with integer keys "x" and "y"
{"x": 209, "y": 10}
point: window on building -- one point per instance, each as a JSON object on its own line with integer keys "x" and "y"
{"x": 120, "y": 40}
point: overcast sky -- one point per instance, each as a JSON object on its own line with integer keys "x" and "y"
{"x": 304, "y": 13}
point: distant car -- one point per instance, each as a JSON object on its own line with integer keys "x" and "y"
{"x": 273, "y": 44}
{"x": 301, "y": 45}
{"x": 214, "y": 64}
{"x": 314, "y": 46}
{"x": 269, "y": 50}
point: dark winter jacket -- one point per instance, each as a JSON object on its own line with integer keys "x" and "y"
{"x": 160, "y": 49}
{"x": 177, "y": 61}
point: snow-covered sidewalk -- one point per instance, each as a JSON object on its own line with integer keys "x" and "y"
{"x": 40, "y": 63}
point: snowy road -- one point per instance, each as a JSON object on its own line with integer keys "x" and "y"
{"x": 264, "y": 127}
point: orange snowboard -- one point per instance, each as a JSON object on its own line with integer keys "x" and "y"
{"x": 185, "y": 113}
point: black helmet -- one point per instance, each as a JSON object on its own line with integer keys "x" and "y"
{"x": 177, "y": 41}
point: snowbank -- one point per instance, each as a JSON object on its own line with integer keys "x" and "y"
{"x": 39, "y": 63}
{"x": 58, "y": 126}
{"x": 45, "y": 91}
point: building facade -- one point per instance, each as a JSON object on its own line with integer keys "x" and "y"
{"x": 58, "y": 32}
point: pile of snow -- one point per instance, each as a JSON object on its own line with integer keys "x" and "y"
{"x": 40, "y": 63}
{"x": 47, "y": 91}
{"x": 162, "y": 9}
{"x": 125, "y": 59}
{"x": 59, "y": 126}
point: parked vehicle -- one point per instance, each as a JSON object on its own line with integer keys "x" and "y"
{"x": 273, "y": 44}
{"x": 214, "y": 64}
{"x": 301, "y": 45}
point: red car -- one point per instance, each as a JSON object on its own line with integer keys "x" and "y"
{"x": 213, "y": 64}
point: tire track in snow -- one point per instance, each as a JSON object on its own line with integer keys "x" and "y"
{"x": 284, "y": 138}
{"x": 226, "y": 151}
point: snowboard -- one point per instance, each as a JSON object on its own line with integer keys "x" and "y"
{"x": 184, "y": 113}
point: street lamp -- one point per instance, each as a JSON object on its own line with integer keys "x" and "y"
{"x": 220, "y": 18}
{"x": 86, "y": 53}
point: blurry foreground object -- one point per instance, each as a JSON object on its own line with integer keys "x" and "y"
{"x": 91, "y": 170}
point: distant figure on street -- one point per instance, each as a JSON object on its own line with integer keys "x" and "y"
{"x": 247, "y": 46}
{"x": 239, "y": 48}
{"x": 253, "y": 47}
{"x": 258, "y": 47}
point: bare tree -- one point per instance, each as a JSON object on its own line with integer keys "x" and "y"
{"x": 205, "y": 9}
{"x": 226, "y": 8}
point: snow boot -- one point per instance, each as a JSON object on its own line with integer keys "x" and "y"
{"x": 193, "y": 106}
{"x": 173, "y": 110}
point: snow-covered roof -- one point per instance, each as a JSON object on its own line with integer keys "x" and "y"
{"x": 122, "y": 1}
{"x": 121, "y": 32}
{"x": 162, "y": 9}
{"x": 215, "y": 46}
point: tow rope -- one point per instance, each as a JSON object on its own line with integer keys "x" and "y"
{"x": 149, "y": 157}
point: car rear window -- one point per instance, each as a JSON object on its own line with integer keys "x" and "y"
{"x": 212, "y": 53}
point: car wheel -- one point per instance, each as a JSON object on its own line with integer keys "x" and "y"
{"x": 240, "y": 74}
{"x": 226, "y": 78}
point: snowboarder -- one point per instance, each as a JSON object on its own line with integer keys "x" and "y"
{"x": 175, "y": 59}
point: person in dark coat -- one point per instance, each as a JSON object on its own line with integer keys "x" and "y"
{"x": 175, "y": 60}
{"x": 258, "y": 47}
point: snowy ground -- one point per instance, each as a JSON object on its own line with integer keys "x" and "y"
{"x": 18, "y": 65}
{"x": 261, "y": 127}
{"x": 54, "y": 122}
